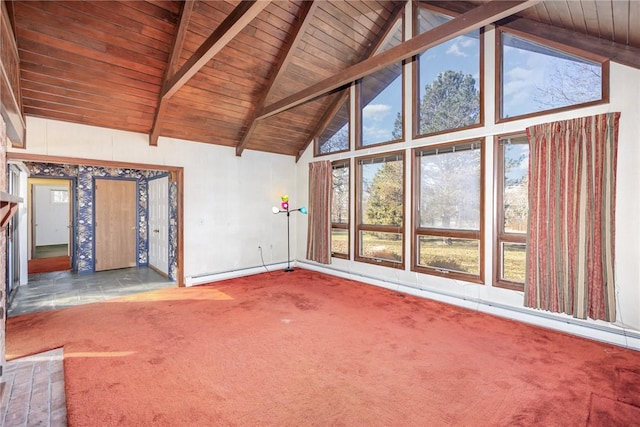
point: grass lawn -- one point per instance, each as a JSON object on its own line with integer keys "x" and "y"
{"x": 448, "y": 254}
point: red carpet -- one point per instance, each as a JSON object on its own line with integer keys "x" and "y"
{"x": 305, "y": 349}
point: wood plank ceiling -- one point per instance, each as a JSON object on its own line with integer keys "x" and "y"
{"x": 159, "y": 67}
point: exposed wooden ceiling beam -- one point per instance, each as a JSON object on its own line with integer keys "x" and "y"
{"x": 226, "y": 31}
{"x": 337, "y": 103}
{"x": 306, "y": 13}
{"x": 480, "y": 16}
{"x": 174, "y": 57}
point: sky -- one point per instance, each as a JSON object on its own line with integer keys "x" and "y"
{"x": 529, "y": 70}
{"x": 459, "y": 54}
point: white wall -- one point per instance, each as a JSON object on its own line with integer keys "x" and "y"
{"x": 51, "y": 219}
{"x": 624, "y": 97}
{"x": 227, "y": 199}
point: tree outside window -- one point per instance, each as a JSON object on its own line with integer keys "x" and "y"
{"x": 380, "y": 211}
{"x": 340, "y": 210}
{"x": 335, "y": 135}
{"x": 535, "y": 78}
{"x": 447, "y": 80}
{"x": 449, "y": 204}
{"x": 512, "y": 189}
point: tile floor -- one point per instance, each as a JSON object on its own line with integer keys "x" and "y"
{"x": 32, "y": 388}
{"x": 48, "y": 291}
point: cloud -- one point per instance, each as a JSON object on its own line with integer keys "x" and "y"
{"x": 376, "y": 112}
{"x": 374, "y": 134}
{"x": 467, "y": 42}
{"x": 519, "y": 79}
{"x": 454, "y": 49}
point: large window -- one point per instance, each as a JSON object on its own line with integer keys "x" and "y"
{"x": 340, "y": 210}
{"x": 512, "y": 186}
{"x": 448, "y": 204}
{"x": 335, "y": 134}
{"x": 535, "y": 78}
{"x": 380, "y": 99}
{"x": 380, "y": 209}
{"x": 447, "y": 80}
{"x": 381, "y": 112}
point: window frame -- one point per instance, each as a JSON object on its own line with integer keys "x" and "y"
{"x": 359, "y": 107}
{"x": 339, "y": 225}
{"x": 341, "y": 99}
{"x": 397, "y": 17}
{"x": 379, "y": 228}
{"x": 569, "y": 50}
{"x": 417, "y": 230}
{"x": 416, "y": 75}
{"x": 500, "y": 235}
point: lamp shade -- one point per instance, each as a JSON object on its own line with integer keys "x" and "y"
{"x": 275, "y": 210}
{"x": 303, "y": 210}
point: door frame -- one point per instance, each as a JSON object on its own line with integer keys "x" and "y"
{"x": 30, "y": 238}
{"x": 176, "y": 174}
{"x": 95, "y": 206}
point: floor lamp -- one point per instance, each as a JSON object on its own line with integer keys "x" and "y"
{"x": 284, "y": 208}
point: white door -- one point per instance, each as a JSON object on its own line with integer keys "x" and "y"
{"x": 159, "y": 224}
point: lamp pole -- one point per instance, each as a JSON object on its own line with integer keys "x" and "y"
{"x": 285, "y": 209}
{"x": 288, "y": 269}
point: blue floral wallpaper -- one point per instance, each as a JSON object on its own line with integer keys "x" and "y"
{"x": 84, "y": 180}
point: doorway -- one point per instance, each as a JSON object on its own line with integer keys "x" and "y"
{"x": 116, "y": 219}
{"x": 159, "y": 224}
{"x": 51, "y": 230}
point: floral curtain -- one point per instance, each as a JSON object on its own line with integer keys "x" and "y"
{"x": 572, "y": 188}
{"x": 319, "y": 231}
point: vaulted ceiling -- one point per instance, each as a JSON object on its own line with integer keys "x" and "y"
{"x": 258, "y": 75}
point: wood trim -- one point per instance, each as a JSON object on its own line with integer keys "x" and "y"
{"x": 415, "y": 98}
{"x": 344, "y": 163}
{"x": 464, "y": 234}
{"x": 179, "y": 173}
{"x": 176, "y": 172}
{"x": 174, "y": 57}
{"x": 577, "y": 43}
{"x": 27, "y": 157}
{"x": 239, "y": 18}
{"x": 337, "y": 103}
{"x": 10, "y": 83}
{"x": 478, "y": 17}
{"x": 604, "y": 63}
{"x": 378, "y": 228}
{"x": 324, "y": 122}
{"x": 498, "y": 217}
{"x": 307, "y": 11}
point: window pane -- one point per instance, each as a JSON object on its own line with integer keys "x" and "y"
{"x": 335, "y": 137}
{"x": 381, "y": 103}
{"x": 385, "y": 246}
{"x": 516, "y": 186}
{"x": 340, "y": 195}
{"x": 382, "y": 192}
{"x": 447, "y": 80}
{"x": 449, "y": 186}
{"x": 513, "y": 257}
{"x": 394, "y": 38}
{"x": 59, "y": 196}
{"x": 450, "y": 254}
{"x": 340, "y": 241}
{"x": 537, "y": 78}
